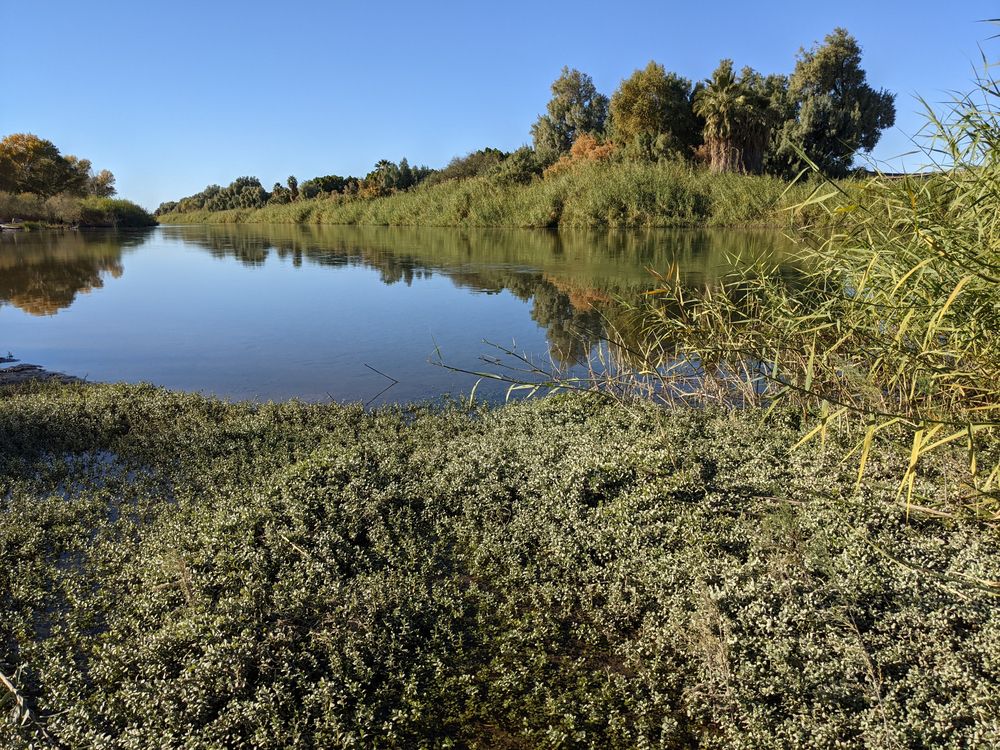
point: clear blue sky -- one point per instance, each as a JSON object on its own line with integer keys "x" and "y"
{"x": 174, "y": 96}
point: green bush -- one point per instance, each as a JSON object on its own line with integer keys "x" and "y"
{"x": 72, "y": 209}
{"x": 114, "y": 212}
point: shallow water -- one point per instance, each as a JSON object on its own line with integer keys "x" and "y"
{"x": 273, "y": 312}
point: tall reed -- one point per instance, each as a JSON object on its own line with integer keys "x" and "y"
{"x": 895, "y": 325}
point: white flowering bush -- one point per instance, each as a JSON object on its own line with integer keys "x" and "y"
{"x": 179, "y": 572}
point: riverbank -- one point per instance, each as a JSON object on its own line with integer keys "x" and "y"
{"x": 16, "y": 374}
{"x": 177, "y": 569}
{"x": 616, "y": 195}
{"x": 24, "y": 373}
{"x": 64, "y": 210}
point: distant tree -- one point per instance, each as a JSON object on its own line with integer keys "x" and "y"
{"x": 101, "y": 184}
{"x": 738, "y": 120}
{"x": 837, "y": 113}
{"x": 406, "y": 179}
{"x": 279, "y": 195}
{"x": 519, "y": 168}
{"x": 651, "y": 113}
{"x": 575, "y": 107}
{"x": 382, "y": 180}
{"x": 421, "y": 173}
{"x": 78, "y": 174}
{"x": 352, "y": 186}
{"x": 243, "y": 192}
{"x": 330, "y": 183}
{"x": 471, "y": 165}
{"x": 29, "y": 164}
{"x": 293, "y": 187}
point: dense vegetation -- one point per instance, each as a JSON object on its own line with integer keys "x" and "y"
{"x": 895, "y": 325}
{"x": 593, "y": 193}
{"x": 818, "y": 569}
{"x": 180, "y": 572}
{"x": 637, "y": 158}
{"x": 39, "y": 184}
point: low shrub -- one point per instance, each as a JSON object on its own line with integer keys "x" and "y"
{"x": 177, "y": 571}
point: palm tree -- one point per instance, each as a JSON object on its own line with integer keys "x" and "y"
{"x": 735, "y": 116}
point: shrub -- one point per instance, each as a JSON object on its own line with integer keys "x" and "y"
{"x": 180, "y": 572}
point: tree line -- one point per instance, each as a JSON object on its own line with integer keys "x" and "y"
{"x": 29, "y": 164}
{"x": 821, "y": 115}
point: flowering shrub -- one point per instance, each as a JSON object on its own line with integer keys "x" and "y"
{"x": 177, "y": 571}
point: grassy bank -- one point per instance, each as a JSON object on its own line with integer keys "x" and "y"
{"x": 88, "y": 211}
{"x": 177, "y": 571}
{"x": 596, "y": 194}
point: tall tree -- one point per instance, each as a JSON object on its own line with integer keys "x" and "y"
{"x": 406, "y": 178}
{"x": 102, "y": 184}
{"x": 29, "y": 164}
{"x": 837, "y": 113}
{"x": 575, "y": 107}
{"x": 652, "y": 111}
{"x": 77, "y": 176}
{"x": 738, "y": 119}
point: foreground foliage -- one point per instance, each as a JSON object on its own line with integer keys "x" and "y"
{"x": 895, "y": 327}
{"x": 180, "y": 572}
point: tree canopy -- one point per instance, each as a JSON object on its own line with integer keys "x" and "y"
{"x": 575, "y": 107}
{"x": 29, "y": 164}
{"x": 824, "y": 113}
{"x": 837, "y": 113}
{"x": 738, "y": 116}
{"x": 652, "y": 110}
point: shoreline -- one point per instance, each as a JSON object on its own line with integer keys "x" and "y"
{"x": 24, "y": 372}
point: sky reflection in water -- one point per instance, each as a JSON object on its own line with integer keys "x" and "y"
{"x": 274, "y": 312}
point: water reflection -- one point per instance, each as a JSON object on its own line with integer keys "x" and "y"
{"x": 41, "y": 273}
{"x": 578, "y": 283}
{"x": 280, "y": 311}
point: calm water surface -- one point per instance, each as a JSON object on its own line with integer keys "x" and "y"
{"x": 273, "y": 312}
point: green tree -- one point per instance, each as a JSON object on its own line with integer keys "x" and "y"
{"x": 29, "y": 164}
{"x": 651, "y": 113}
{"x": 77, "y": 176}
{"x": 330, "y": 183}
{"x": 383, "y": 179}
{"x": 279, "y": 195}
{"x": 243, "y": 192}
{"x": 471, "y": 165}
{"x": 738, "y": 119}
{"x": 101, "y": 184}
{"x": 406, "y": 179}
{"x": 293, "y": 187}
{"x": 575, "y": 107}
{"x": 519, "y": 168}
{"x": 837, "y": 113}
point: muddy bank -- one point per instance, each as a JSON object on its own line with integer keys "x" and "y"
{"x": 22, "y": 373}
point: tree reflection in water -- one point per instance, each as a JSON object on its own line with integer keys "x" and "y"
{"x": 581, "y": 285}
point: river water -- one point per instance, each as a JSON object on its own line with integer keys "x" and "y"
{"x": 348, "y": 313}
